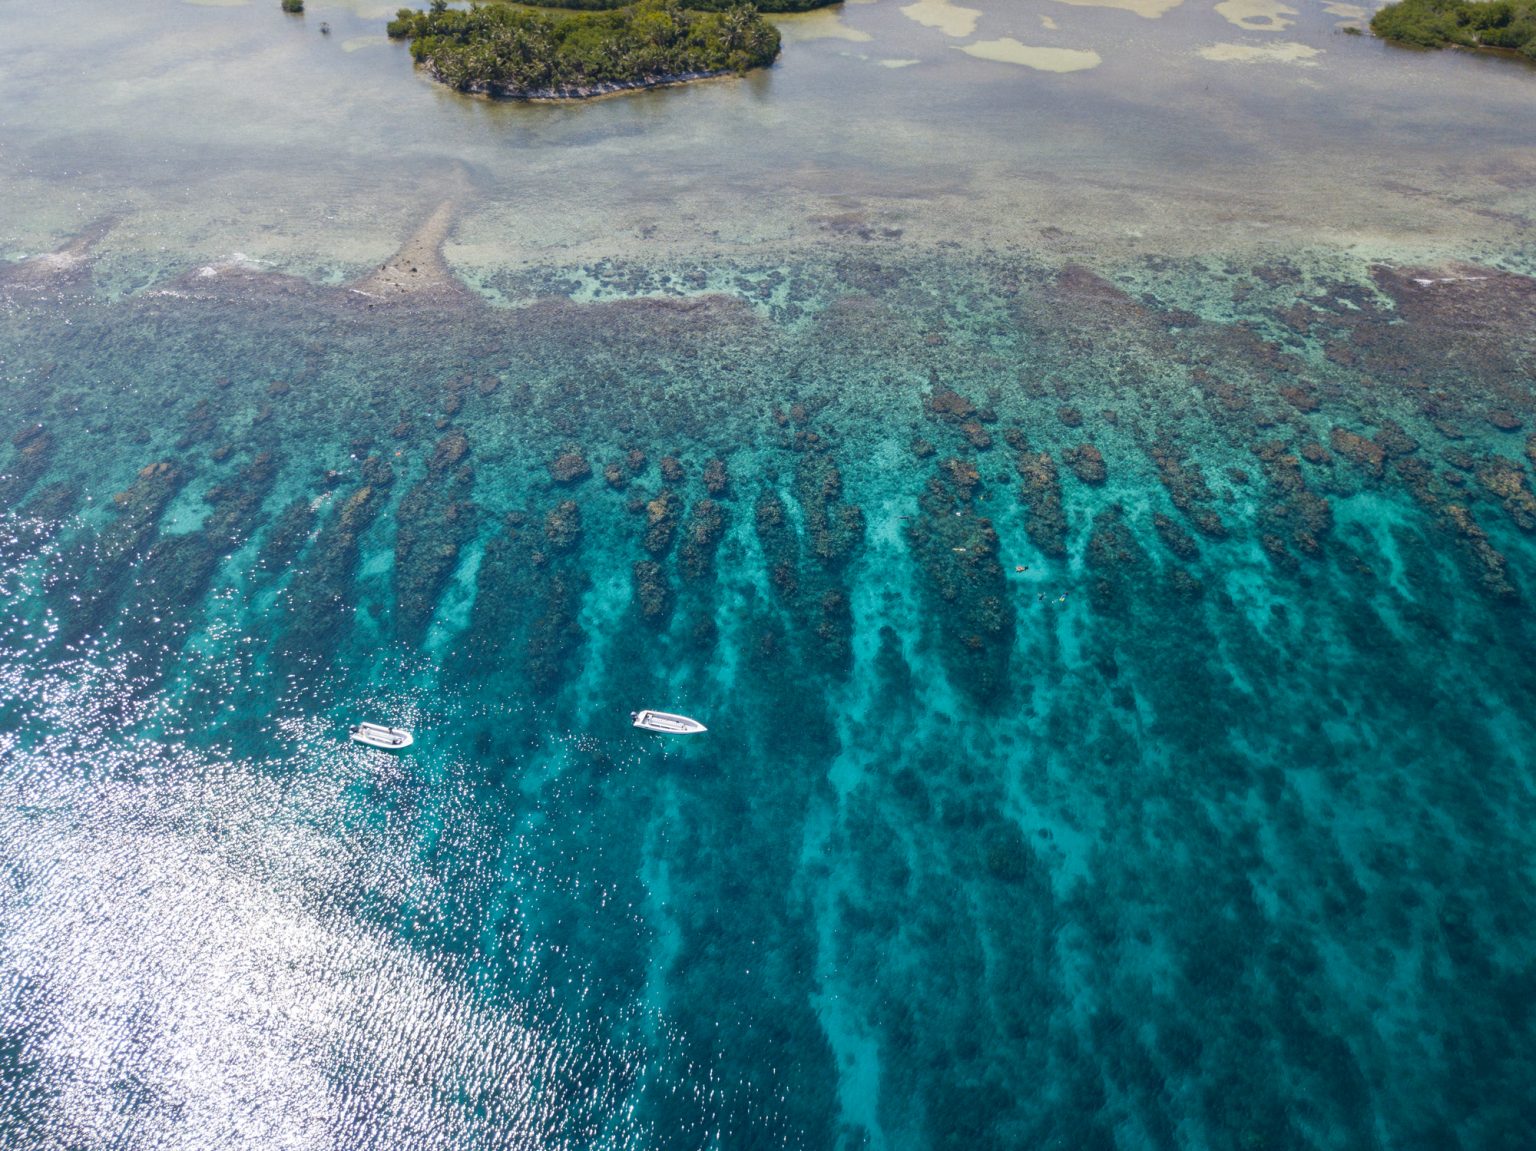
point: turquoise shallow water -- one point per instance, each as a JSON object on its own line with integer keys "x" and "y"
{"x": 1092, "y": 511}
{"x": 1119, "y": 692}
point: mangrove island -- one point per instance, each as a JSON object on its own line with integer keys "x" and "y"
{"x": 501, "y": 50}
{"x": 1497, "y": 25}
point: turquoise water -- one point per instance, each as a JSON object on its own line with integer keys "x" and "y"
{"x": 1208, "y": 828}
{"x": 1092, "y": 512}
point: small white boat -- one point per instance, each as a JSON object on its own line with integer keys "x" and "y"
{"x": 666, "y": 723}
{"x": 377, "y": 735}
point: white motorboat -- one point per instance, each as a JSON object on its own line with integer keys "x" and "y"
{"x": 666, "y": 723}
{"x": 377, "y": 735}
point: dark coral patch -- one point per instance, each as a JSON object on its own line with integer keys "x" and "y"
{"x": 570, "y": 466}
{"x": 1087, "y": 464}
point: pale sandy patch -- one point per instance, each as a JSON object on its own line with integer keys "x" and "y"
{"x": 1151, "y": 9}
{"x": 1009, "y": 51}
{"x": 417, "y": 269}
{"x": 1287, "y": 53}
{"x": 1257, "y": 15}
{"x": 1048, "y": 24}
{"x": 947, "y": 17}
{"x": 352, "y": 44}
{"x": 822, "y": 24}
{"x": 1348, "y": 11}
{"x": 897, "y": 63}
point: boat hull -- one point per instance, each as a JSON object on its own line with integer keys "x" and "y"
{"x": 667, "y": 723}
{"x": 381, "y": 737}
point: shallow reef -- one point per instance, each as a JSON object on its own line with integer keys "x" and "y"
{"x": 436, "y": 519}
{"x": 1117, "y": 682}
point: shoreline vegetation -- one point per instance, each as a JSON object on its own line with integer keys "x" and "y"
{"x": 1501, "y": 26}
{"x": 499, "y": 50}
{"x": 776, "y": 6}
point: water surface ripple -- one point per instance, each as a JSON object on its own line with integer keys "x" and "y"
{"x": 1092, "y": 511}
{"x": 1119, "y": 706}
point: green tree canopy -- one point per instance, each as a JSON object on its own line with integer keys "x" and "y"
{"x": 1499, "y": 24}
{"x": 508, "y": 51}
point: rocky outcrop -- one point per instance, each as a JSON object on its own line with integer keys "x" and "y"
{"x": 570, "y": 466}
{"x": 661, "y": 516}
{"x": 1364, "y": 453}
{"x": 834, "y": 529}
{"x": 957, "y": 552}
{"x": 286, "y": 539}
{"x": 1293, "y": 515}
{"x": 1489, "y": 563}
{"x": 1041, "y": 492}
{"x": 563, "y": 527}
{"x": 948, "y": 407}
{"x": 1505, "y": 479}
{"x": 202, "y": 424}
{"x": 176, "y": 572}
{"x": 322, "y": 592}
{"x": 716, "y": 481}
{"x": 137, "y": 511}
{"x": 781, "y": 547}
{"x": 653, "y": 594}
{"x": 34, "y": 452}
{"x": 526, "y": 615}
{"x": 1186, "y": 487}
{"x": 1087, "y": 464}
{"x": 1116, "y": 561}
{"x": 1302, "y": 397}
{"x": 1178, "y": 541}
{"x": 434, "y": 521}
{"x": 701, "y": 539}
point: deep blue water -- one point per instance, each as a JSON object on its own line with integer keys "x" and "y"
{"x": 1119, "y": 689}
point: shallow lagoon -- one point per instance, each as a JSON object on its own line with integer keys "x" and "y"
{"x": 1208, "y": 828}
